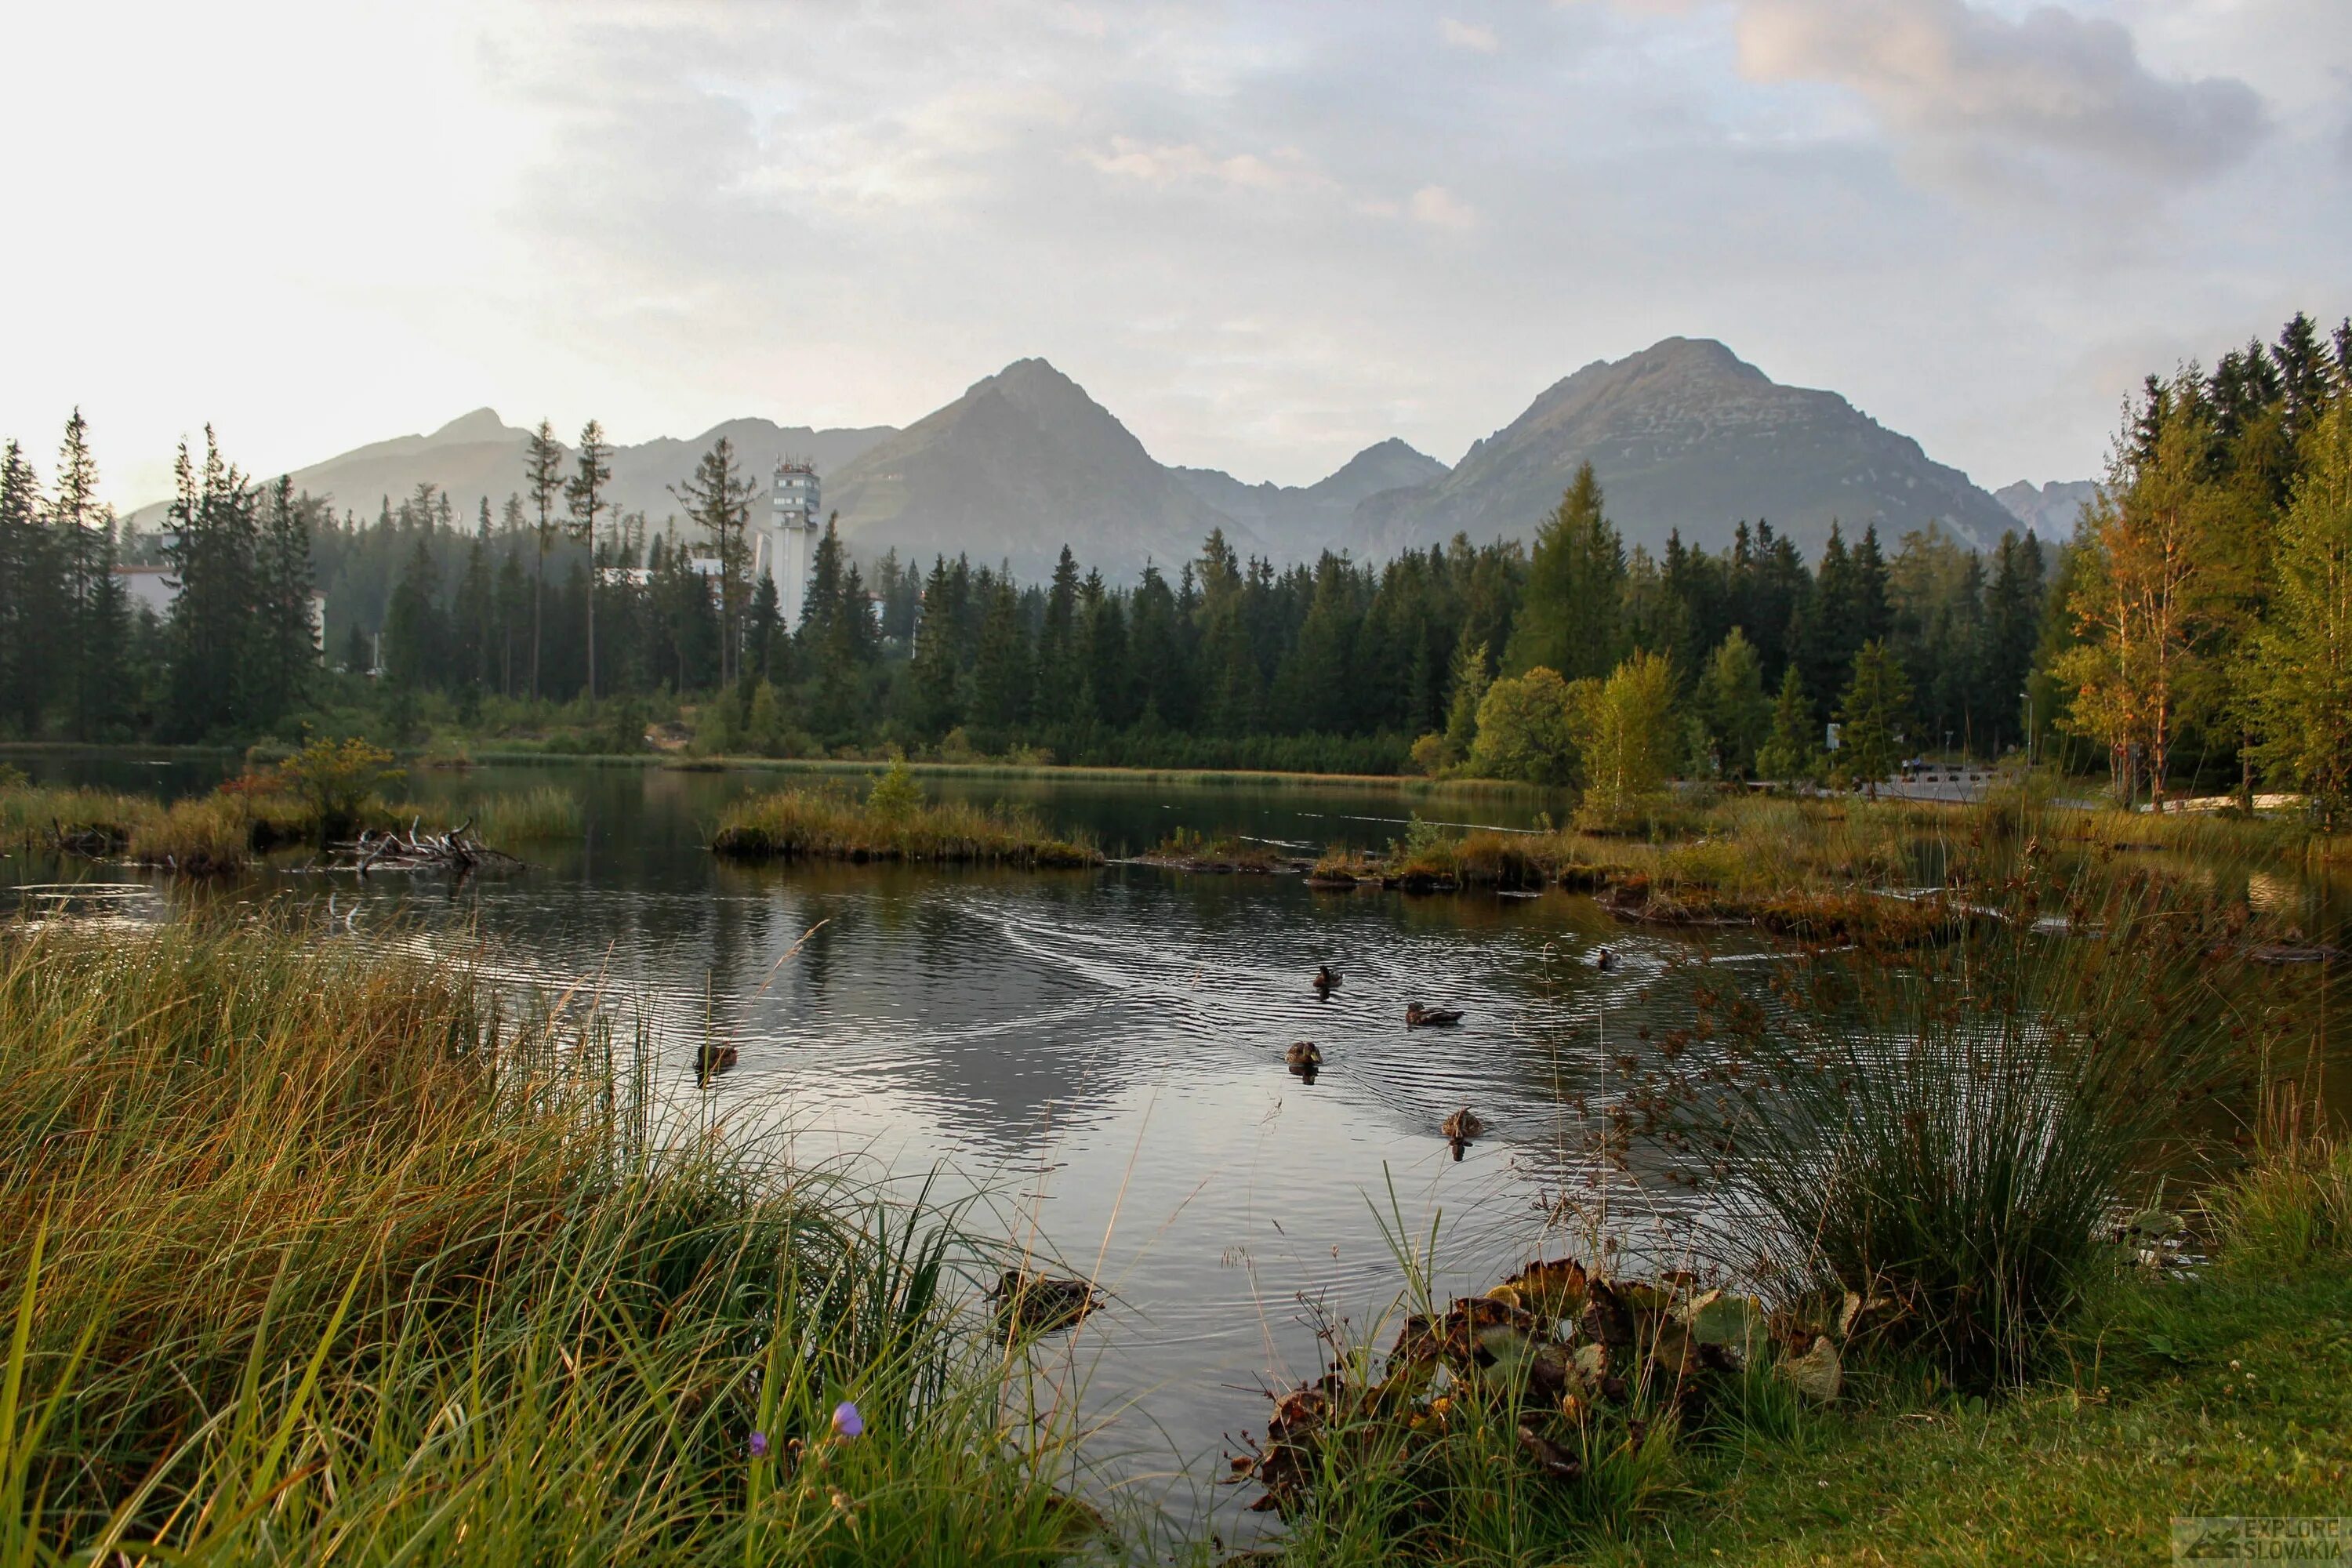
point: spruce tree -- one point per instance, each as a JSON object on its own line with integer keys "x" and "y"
{"x": 2299, "y": 668}
{"x": 718, "y": 500}
{"x": 1871, "y": 717}
{"x": 584, "y": 500}
{"x": 1567, "y": 617}
{"x": 543, "y": 472}
{"x": 1788, "y": 753}
{"x": 1732, "y": 705}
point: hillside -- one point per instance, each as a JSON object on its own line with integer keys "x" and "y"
{"x": 1023, "y": 463}
{"x": 1687, "y": 435}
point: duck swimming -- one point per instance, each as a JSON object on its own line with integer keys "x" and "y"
{"x": 1462, "y": 1126}
{"x": 1325, "y": 982}
{"x": 1417, "y": 1017}
{"x": 711, "y": 1060}
{"x": 1304, "y": 1054}
{"x": 1604, "y": 961}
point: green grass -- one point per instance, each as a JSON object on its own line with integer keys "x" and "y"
{"x": 315, "y": 1251}
{"x": 802, "y": 824}
{"x": 2225, "y": 1395}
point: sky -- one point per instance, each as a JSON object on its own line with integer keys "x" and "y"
{"x": 1264, "y": 235}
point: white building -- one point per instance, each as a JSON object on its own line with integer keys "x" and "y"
{"x": 154, "y": 588}
{"x": 784, "y": 546}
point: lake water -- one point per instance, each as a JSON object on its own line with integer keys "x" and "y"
{"x": 1100, "y": 1052}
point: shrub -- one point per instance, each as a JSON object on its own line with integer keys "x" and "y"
{"x": 338, "y": 779}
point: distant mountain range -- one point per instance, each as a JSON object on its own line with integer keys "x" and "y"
{"x": 2049, "y": 512}
{"x": 1684, "y": 436}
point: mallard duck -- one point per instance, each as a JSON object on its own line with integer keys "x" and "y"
{"x": 711, "y": 1060}
{"x": 1417, "y": 1017}
{"x": 1324, "y": 981}
{"x": 1462, "y": 1126}
{"x": 1604, "y": 961}
{"x": 1304, "y": 1054}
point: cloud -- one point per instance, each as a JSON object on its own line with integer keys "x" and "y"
{"x": 1437, "y": 205}
{"x": 1468, "y": 35}
{"x": 1169, "y": 164}
{"x": 1960, "y": 82}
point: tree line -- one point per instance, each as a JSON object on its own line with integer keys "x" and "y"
{"x": 2193, "y": 629}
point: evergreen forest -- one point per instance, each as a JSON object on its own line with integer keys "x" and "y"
{"x": 2194, "y": 633}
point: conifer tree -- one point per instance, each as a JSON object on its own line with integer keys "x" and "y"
{"x": 1872, "y": 716}
{"x": 718, "y": 500}
{"x": 1733, "y": 706}
{"x": 1788, "y": 753}
{"x": 585, "y": 498}
{"x": 543, "y": 472}
{"x": 1567, "y": 617}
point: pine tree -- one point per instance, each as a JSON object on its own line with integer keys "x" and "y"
{"x": 1567, "y": 617}
{"x": 473, "y": 618}
{"x": 26, "y": 590}
{"x": 543, "y": 472}
{"x": 1004, "y": 677}
{"x": 1872, "y": 716}
{"x": 1788, "y": 753}
{"x": 718, "y": 500}
{"x": 289, "y": 631}
{"x": 1060, "y": 674}
{"x": 934, "y": 694}
{"x": 414, "y": 633}
{"x": 216, "y": 527}
{"x": 1102, "y": 631}
{"x": 514, "y": 603}
{"x": 584, "y": 495}
{"x": 767, "y": 625}
{"x": 1732, "y": 704}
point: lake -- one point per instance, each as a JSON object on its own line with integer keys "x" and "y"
{"x": 1099, "y": 1054}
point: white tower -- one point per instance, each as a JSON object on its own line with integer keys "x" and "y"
{"x": 792, "y": 506}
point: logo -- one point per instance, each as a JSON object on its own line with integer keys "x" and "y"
{"x": 2258, "y": 1538}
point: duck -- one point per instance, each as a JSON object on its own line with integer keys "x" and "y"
{"x": 1462, "y": 1126}
{"x": 1417, "y": 1017}
{"x": 1304, "y": 1054}
{"x": 1324, "y": 981}
{"x": 1604, "y": 961}
{"x": 712, "y": 1060}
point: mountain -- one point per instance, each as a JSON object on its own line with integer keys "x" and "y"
{"x": 1685, "y": 435}
{"x": 2050, "y": 510}
{"x": 478, "y": 453}
{"x": 1019, "y": 465}
{"x": 1304, "y": 521}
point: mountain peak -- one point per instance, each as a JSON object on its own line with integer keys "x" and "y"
{"x": 481, "y": 424}
{"x": 1687, "y": 436}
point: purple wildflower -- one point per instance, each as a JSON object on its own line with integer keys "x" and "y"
{"x": 759, "y": 1445}
{"x": 846, "y": 1422}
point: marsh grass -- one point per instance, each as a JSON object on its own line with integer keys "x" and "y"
{"x": 2291, "y": 1203}
{"x": 804, "y": 824}
{"x": 1946, "y": 1130}
{"x": 36, "y": 815}
{"x": 541, "y": 814}
{"x": 318, "y": 1251}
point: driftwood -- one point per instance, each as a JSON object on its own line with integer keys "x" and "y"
{"x": 456, "y": 851}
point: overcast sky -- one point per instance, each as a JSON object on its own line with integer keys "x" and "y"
{"x": 1264, "y": 235}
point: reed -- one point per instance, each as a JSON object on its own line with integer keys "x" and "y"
{"x": 1945, "y": 1131}
{"x": 804, "y": 823}
{"x": 36, "y": 815}
{"x": 320, "y": 1251}
{"x": 202, "y": 836}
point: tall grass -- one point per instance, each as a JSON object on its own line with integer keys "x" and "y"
{"x": 36, "y": 815}
{"x": 1945, "y": 1132}
{"x": 323, "y": 1253}
{"x": 811, "y": 824}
